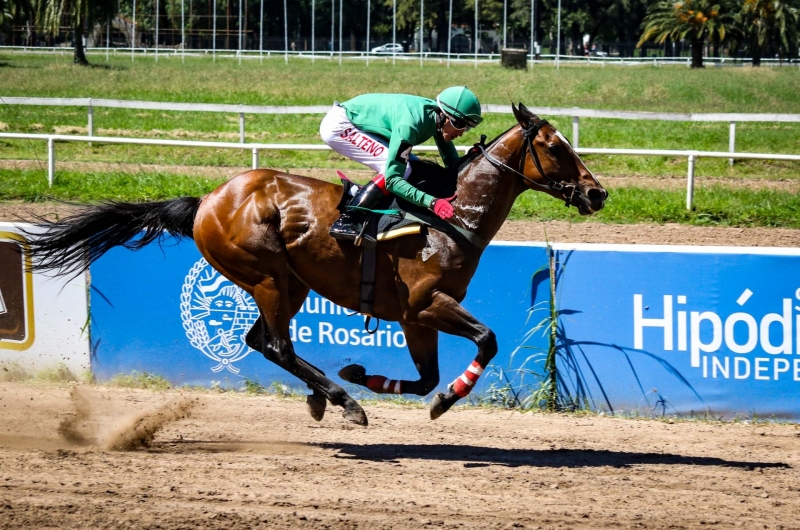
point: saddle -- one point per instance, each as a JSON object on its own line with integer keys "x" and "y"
{"x": 395, "y": 217}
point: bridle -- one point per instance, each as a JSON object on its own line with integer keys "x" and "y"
{"x": 570, "y": 193}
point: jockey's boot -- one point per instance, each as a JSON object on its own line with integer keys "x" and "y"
{"x": 350, "y": 223}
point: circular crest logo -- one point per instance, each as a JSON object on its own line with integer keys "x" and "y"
{"x": 216, "y": 316}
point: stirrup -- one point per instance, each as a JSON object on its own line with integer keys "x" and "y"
{"x": 344, "y": 236}
{"x": 363, "y": 237}
{"x": 355, "y": 234}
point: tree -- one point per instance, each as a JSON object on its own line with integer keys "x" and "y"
{"x": 769, "y": 22}
{"x": 79, "y": 14}
{"x": 621, "y": 21}
{"x": 18, "y": 12}
{"x": 5, "y": 16}
{"x": 696, "y": 20}
{"x": 436, "y": 15}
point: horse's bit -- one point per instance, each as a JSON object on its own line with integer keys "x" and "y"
{"x": 570, "y": 193}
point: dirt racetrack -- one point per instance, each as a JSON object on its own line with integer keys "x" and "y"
{"x": 222, "y": 460}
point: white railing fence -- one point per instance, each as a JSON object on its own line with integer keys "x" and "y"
{"x": 255, "y": 148}
{"x": 576, "y": 113}
{"x": 91, "y": 103}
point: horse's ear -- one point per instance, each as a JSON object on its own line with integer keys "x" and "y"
{"x": 525, "y": 110}
{"x": 522, "y": 119}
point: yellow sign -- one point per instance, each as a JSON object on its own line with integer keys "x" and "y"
{"x": 16, "y": 293}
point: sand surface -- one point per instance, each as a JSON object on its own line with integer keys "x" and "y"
{"x": 94, "y": 457}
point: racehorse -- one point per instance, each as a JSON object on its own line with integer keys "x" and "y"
{"x": 267, "y": 232}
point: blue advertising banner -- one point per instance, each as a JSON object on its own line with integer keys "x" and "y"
{"x": 167, "y": 312}
{"x": 686, "y": 330}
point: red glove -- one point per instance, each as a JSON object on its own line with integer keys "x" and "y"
{"x": 443, "y": 208}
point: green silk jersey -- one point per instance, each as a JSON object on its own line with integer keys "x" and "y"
{"x": 405, "y": 121}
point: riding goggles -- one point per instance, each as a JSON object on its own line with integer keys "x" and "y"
{"x": 460, "y": 124}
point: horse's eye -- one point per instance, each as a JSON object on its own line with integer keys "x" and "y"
{"x": 555, "y": 149}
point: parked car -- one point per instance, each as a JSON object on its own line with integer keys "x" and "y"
{"x": 388, "y": 48}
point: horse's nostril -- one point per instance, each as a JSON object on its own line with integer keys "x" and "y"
{"x": 597, "y": 195}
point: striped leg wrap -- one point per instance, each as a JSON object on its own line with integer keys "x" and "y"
{"x": 381, "y": 385}
{"x": 463, "y": 385}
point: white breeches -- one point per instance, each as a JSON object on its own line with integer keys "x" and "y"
{"x": 350, "y": 141}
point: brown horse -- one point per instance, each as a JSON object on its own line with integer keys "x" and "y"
{"x": 267, "y": 232}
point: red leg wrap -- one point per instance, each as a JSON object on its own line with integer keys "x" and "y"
{"x": 375, "y": 383}
{"x": 463, "y": 385}
{"x": 381, "y": 385}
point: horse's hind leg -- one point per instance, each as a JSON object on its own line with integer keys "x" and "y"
{"x": 423, "y": 344}
{"x": 298, "y": 292}
{"x": 259, "y": 339}
{"x": 270, "y": 336}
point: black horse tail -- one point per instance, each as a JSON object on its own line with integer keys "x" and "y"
{"x": 70, "y": 245}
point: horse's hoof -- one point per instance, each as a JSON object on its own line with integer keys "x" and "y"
{"x": 441, "y": 403}
{"x": 354, "y": 373}
{"x": 355, "y": 414}
{"x": 316, "y": 406}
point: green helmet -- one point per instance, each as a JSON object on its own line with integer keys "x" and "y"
{"x": 461, "y": 104}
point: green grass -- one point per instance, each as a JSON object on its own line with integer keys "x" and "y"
{"x": 365, "y": 397}
{"x": 713, "y": 205}
{"x": 14, "y": 371}
{"x": 31, "y": 185}
{"x": 752, "y": 137}
{"x": 143, "y": 380}
{"x": 670, "y": 89}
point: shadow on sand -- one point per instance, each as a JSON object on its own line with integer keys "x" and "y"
{"x": 474, "y": 456}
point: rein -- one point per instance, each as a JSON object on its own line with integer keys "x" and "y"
{"x": 569, "y": 192}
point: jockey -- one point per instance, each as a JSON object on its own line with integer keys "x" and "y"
{"x": 379, "y": 131}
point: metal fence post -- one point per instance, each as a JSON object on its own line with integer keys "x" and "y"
{"x": 690, "y": 183}
{"x": 51, "y": 161}
{"x": 241, "y": 127}
{"x": 575, "y": 130}
{"x": 732, "y": 141}
{"x": 255, "y": 158}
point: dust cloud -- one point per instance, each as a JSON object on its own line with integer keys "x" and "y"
{"x": 138, "y": 431}
{"x": 98, "y": 421}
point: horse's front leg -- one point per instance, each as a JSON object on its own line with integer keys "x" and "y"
{"x": 423, "y": 345}
{"x": 447, "y": 315}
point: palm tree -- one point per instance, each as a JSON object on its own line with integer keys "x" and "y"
{"x": 696, "y": 20}
{"x": 79, "y": 13}
{"x": 765, "y": 22}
